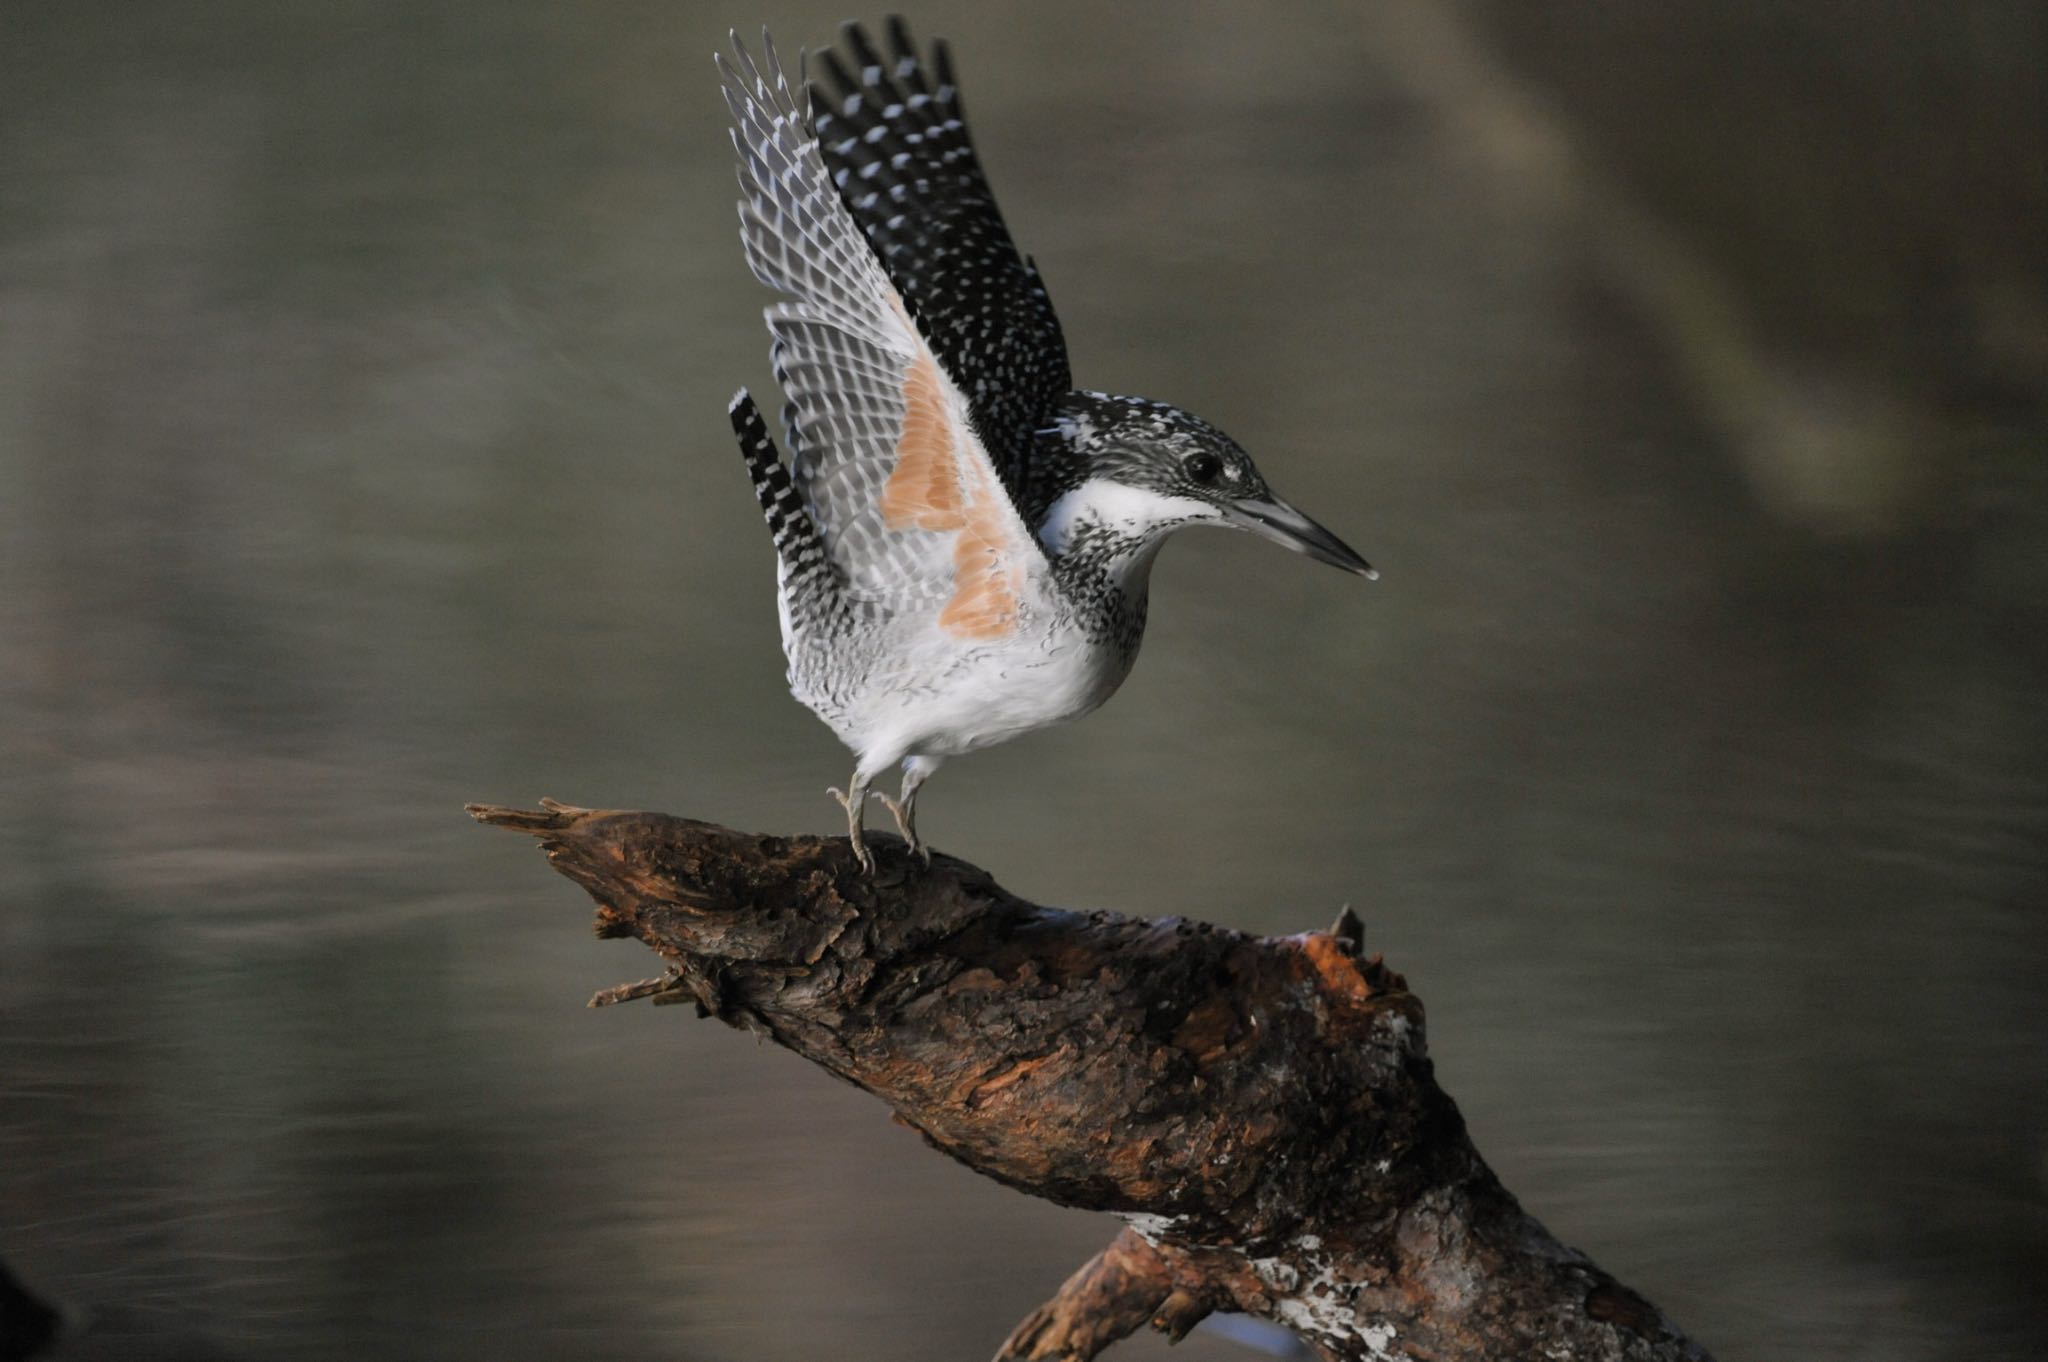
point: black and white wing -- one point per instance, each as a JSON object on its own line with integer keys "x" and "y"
{"x": 896, "y": 142}
{"x": 886, "y": 458}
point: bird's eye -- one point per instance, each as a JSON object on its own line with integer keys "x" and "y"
{"x": 1202, "y": 468}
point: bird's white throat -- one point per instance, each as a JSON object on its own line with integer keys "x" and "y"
{"x": 1133, "y": 520}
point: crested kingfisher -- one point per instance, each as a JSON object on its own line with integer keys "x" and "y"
{"x": 963, "y": 540}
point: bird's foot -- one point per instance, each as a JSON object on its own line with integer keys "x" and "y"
{"x": 853, "y": 828}
{"x": 906, "y": 823}
{"x": 862, "y": 854}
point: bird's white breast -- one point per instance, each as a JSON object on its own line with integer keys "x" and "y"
{"x": 937, "y": 698}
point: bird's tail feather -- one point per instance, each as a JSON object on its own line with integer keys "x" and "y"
{"x": 807, "y": 568}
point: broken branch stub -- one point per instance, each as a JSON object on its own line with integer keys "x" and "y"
{"x": 1261, "y": 1110}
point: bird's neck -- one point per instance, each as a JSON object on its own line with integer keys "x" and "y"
{"x": 1102, "y": 538}
{"x": 1114, "y": 525}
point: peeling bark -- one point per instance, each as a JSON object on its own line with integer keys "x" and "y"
{"x": 1260, "y": 1110}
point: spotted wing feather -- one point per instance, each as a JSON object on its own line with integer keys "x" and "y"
{"x": 902, "y": 494}
{"x": 895, "y": 139}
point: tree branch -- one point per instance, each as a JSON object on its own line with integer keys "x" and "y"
{"x": 1260, "y": 1110}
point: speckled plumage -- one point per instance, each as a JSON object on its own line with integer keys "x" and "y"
{"x": 963, "y": 541}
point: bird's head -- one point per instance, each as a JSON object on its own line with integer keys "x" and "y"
{"x": 1149, "y": 468}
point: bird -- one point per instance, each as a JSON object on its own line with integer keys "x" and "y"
{"x": 964, "y": 541}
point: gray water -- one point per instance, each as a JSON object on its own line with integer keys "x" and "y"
{"x": 362, "y": 452}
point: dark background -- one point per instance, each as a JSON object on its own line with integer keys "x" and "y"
{"x": 362, "y": 450}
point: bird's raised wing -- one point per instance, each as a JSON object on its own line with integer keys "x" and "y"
{"x": 911, "y": 509}
{"x": 896, "y": 142}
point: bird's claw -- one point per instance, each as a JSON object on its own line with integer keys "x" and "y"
{"x": 853, "y": 829}
{"x": 906, "y": 823}
{"x": 904, "y": 812}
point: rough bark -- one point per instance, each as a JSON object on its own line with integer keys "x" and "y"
{"x": 1261, "y": 1111}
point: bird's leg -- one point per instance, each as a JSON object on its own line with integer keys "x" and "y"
{"x": 905, "y": 809}
{"x": 904, "y": 806}
{"x": 854, "y": 801}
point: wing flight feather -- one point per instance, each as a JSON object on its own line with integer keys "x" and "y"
{"x": 902, "y": 490}
{"x": 896, "y": 141}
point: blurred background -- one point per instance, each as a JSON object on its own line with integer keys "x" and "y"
{"x": 363, "y": 370}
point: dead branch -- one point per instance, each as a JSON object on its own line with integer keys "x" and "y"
{"x": 1260, "y": 1110}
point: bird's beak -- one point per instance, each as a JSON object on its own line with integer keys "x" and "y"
{"x": 1282, "y": 524}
